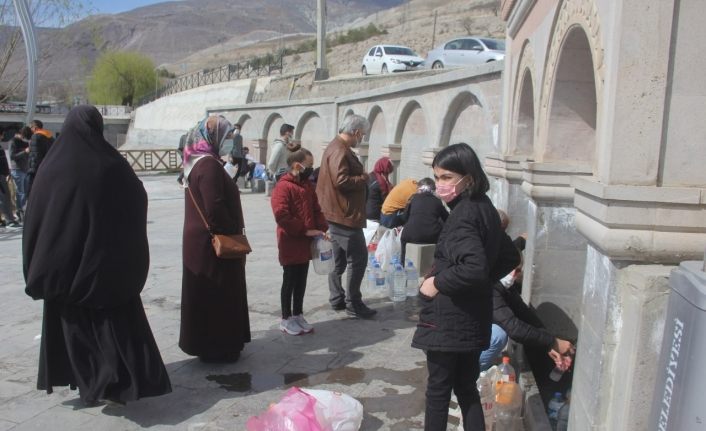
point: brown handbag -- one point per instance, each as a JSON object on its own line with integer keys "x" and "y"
{"x": 225, "y": 246}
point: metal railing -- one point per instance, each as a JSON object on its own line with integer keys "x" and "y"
{"x": 152, "y": 160}
{"x": 225, "y": 73}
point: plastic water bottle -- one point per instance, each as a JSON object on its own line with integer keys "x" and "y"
{"x": 508, "y": 407}
{"x": 322, "y": 255}
{"x": 506, "y": 372}
{"x": 412, "y": 279}
{"x": 370, "y": 274}
{"x": 399, "y": 288}
{"x": 487, "y": 399}
{"x": 562, "y": 423}
{"x": 556, "y": 374}
{"x": 379, "y": 276}
{"x": 555, "y": 404}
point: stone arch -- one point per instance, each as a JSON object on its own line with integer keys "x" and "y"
{"x": 524, "y": 105}
{"x": 524, "y": 113}
{"x": 465, "y": 121}
{"x": 311, "y": 132}
{"x": 268, "y": 131}
{"x": 377, "y": 138}
{"x": 412, "y": 134}
{"x": 572, "y": 113}
{"x": 576, "y": 33}
{"x": 244, "y": 118}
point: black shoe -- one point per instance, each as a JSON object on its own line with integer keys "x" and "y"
{"x": 361, "y": 311}
{"x": 14, "y": 225}
{"x": 339, "y": 306}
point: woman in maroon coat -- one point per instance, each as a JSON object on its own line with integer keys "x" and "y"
{"x": 299, "y": 220}
{"x": 214, "y": 306}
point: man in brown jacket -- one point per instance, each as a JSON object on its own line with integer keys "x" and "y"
{"x": 342, "y": 191}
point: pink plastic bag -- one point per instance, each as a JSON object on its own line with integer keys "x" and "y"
{"x": 296, "y": 411}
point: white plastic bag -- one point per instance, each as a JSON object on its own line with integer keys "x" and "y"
{"x": 369, "y": 231}
{"x": 338, "y": 411}
{"x": 388, "y": 247}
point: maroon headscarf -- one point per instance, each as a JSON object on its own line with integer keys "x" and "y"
{"x": 383, "y": 167}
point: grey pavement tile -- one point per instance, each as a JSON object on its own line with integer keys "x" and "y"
{"x": 6, "y": 425}
{"x": 58, "y": 417}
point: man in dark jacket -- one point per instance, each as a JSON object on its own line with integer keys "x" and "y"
{"x": 19, "y": 164}
{"x": 342, "y": 189}
{"x": 39, "y": 145}
{"x": 513, "y": 318}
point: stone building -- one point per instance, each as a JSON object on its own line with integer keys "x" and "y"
{"x": 602, "y": 138}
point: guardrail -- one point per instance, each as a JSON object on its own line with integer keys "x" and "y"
{"x": 225, "y": 73}
{"x": 152, "y": 160}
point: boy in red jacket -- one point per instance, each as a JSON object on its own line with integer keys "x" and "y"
{"x": 299, "y": 220}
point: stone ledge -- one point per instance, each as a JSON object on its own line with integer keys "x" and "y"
{"x": 508, "y": 167}
{"x": 653, "y": 194}
{"x": 558, "y": 194}
{"x": 641, "y": 244}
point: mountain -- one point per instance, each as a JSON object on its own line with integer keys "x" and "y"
{"x": 170, "y": 31}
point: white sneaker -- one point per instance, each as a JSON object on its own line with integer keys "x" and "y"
{"x": 290, "y": 326}
{"x": 306, "y": 327}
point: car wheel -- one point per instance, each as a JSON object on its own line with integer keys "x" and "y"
{"x": 384, "y": 69}
{"x": 490, "y": 61}
{"x": 437, "y": 65}
{"x": 365, "y": 71}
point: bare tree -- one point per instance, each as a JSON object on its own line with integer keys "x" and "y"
{"x": 45, "y": 13}
{"x": 468, "y": 25}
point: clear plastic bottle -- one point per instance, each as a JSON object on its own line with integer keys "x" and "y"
{"x": 556, "y": 374}
{"x": 399, "y": 288}
{"x": 322, "y": 255}
{"x": 370, "y": 274}
{"x": 508, "y": 407}
{"x": 412, "y": 279}
{"x": 379, "y": 277}
{"x": 487, "y": 399}
{"x": 553, "y": 408}
{"x": 506, "y": 371}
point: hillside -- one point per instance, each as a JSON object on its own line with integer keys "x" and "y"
{"x": 410, "y": 24}
{"x": 170, "y": 31}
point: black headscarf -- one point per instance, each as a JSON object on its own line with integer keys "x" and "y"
{"x": 85, "y": 233}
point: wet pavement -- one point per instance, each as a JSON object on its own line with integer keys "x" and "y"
{"x": 370, "y": 360}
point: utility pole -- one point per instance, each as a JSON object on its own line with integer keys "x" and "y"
{"x": 29, "y": 35}
{"x": 433, "y": 34}
{"x": 321, "y": 67}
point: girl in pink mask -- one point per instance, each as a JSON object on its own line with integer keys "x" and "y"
{"x": 456, "y": 309}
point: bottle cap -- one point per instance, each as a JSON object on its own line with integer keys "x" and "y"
{"x": 557, "y": 394}
{"x": 506, "y": 359}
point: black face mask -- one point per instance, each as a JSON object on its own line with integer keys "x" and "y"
{"x": 306, "y": 173}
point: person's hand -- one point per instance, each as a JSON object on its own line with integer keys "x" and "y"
{"x": 313, "y": 232}
{"x": 524, "y": 235}
{"x": 556, "y": 357}
{"x": 27, "y": 150}
{"x": 563, "y": 347}
{"x": 365, "y": 176}
{"x": 327, "y": 236}
{"x": 428, "y": 289}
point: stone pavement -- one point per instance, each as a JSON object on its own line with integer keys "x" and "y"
{"x": 370, "y": 360}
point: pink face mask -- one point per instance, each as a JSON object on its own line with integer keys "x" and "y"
{"x": 449, "y": 192}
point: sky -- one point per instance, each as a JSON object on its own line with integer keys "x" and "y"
{"x": 117, "y": 6}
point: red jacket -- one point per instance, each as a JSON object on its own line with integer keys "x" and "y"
{"x": 296, "y": 210}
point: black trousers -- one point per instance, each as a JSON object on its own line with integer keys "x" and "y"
{"x": 293, "y": 288}
{"x": 458, "y": 371}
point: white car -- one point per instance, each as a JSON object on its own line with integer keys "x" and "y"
{"x": 390, "y": 58}
{"x": 465, "y": 51}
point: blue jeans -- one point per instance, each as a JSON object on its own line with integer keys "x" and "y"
{"x": 498, "y": 340}
{"x": 21, "y": 184}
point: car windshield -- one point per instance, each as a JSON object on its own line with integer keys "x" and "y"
{"x": 494, "y": 44}
{"x": 399, "y": 50}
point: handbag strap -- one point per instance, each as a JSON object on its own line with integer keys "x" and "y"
{"x": 208, "y": 228}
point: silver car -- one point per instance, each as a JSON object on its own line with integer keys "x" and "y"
{"x": 465, "y": 51}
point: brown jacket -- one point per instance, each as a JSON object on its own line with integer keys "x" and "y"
{"x": 342, "y": 186}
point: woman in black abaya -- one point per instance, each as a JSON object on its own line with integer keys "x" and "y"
{"x": 86, "y": 255}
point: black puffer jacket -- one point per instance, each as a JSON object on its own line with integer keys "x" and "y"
{"x": 373, "y": 205}
{"x": 472, "y": 253}
{"x": 517, "y": 319}
{"x": 38, "y": 149}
